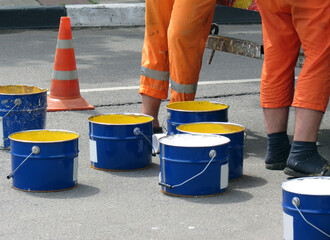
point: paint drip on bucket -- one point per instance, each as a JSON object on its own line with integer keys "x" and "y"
{"x": 21, "y": 108}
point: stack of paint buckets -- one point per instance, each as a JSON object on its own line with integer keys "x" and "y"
{"x": 202, "y": 151}
{"x": 41, "y": 160}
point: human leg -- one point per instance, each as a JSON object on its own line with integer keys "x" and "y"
{"x": 278, "y": 144}
{"x": 188, "y": 31}
{"x": 312, "y": 89}
{"x": 155, "y": 64}
{"x": 150, "y": 106}
{"x": 281, "y": 45}
{"x": 304, "y": 159}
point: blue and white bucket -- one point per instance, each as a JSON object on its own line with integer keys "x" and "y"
{"x": 21, "y": 108}
{"x": 193, "y": 165}
{"x": 44, "y": 160}
{"x": 194, "y": 111}
{"x": 120, "y": 141}
{"x": 306, "y": 206}
{"x": 233, "y": 131}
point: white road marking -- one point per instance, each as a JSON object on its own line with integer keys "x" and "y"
{"x": 200, "y": 84}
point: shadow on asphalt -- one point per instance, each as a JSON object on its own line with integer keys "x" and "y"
{"x": 246, "y": 182}
{"x": 81, "y": 191}
{"x": 255, "y": 145}
{"x": 233, "y": 194}
{"x": 153, "y": 171}
{"x": 230, "y": 196}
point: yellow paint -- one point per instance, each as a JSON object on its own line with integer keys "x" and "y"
{"x": 243, "y": 4}
{"x": 121, "y": 119}
{"x": 20, "y": 89}
{"x": 44, "y": 136}
{"x": 214, "y": 128}
{"x": 196, "y": 106}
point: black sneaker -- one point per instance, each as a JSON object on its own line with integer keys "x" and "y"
{"x": 157, "y": 130}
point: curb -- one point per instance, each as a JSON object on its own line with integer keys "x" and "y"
{"x": 31, "y": 17}
{"x": 107, "y": 15}
{"x": 103, "y": 15}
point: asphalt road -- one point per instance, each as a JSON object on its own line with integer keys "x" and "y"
{"x": 129, "y": 205}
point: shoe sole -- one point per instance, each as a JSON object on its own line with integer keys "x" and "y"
{"x": 293, "y": 173}
{"x": 275, "y": 166}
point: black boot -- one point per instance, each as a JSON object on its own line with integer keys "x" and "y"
{"x": 304, "y": 160}
{"x": 277, "y": 151}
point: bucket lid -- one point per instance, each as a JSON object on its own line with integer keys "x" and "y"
{"x": 308, "y": 186}
{"x": 121, "y": 119}
{"x": 44, "y": 136}
{"x": 211, "y": 128}
{"x": 196, "y": 106}
{"x": 20, "y": 90}
{"x": 194, "y": 140}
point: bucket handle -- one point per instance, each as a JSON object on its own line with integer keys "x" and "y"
{"x": 137, "y": 132}
{"x": 35, "y": 150}
{"x": 296, "y": 203}
{"x": 17, "y": 103}
{"x": 212, "y": 155}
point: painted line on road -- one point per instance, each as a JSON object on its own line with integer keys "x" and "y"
{"x": 199, "y": 84}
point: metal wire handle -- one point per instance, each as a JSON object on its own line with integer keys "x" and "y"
{"x": 212, "y": 155}
{"x": 17, "y": 103}
{"x": 35, "y": 150}
{"x": 296, "y": 203}
{"x": 137, "y": 132}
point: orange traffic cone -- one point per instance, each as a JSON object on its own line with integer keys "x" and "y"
{"x": 65, "y": 93}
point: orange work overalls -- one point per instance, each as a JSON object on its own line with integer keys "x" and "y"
{"x": 175, "y": 35}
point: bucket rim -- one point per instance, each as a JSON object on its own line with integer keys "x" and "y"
{"x": 52, "y": 130}
{"x": 287, "y": 186}
{"x": 191, "y": 111}
{"x": 224, "y": 140}
{"x": 119, "y": 124}
{"x": 224, "y": 123}
{"x": 42, "y": 90}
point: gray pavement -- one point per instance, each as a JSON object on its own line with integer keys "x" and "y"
{"x": 24, "y": 3}
{"x": 129, "y": 205}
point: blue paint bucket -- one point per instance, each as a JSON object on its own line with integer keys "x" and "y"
{"x": 44, "y": 160}
{"x": 21, "y": 108}
{"x": 306, "y": 206}
{"x": 234, "y": 132}
{"x": 194, "y": 111}
{"x": 120, "y": 142}
{"x": 193, "y": 165}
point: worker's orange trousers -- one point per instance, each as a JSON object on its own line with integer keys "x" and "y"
{"x": 175, "y": 35}
{"x": 287, "y": 25}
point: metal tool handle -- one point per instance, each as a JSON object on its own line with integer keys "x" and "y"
{"x": 17, "y": 103}
{"x": 214, "y": 31}
{"x": 137, "y": 132}
{"x": 34, "y": 150}
{"x": 296, "y": 203}
{"x": 212, "y": 155}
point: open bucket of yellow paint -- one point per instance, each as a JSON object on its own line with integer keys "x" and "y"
{"x": 233, "y": 131}
{"x": 21, "y": 108}
{"x": 194, "y": 111}
{"x": 44, "y": 160}
{"x": 120, "y": 141}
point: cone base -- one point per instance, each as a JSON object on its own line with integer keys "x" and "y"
{"x": 55, "y": 104}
